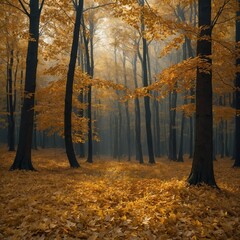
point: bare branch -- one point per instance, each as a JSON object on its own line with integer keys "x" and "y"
{"x": 227, "y": 84}
{"x": 219, "y": 13}
{"x": 65, "y": 13}
{"x": 24, "y": 9}
{"x": 40, "y": 9}
{"x": 12, "y": 5}
{"x": 26, "y": 2}
{"x": 74, "y": 4}
{"x": 99, "y": 6}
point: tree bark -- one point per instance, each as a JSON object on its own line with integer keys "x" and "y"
{"x": 90, "y": 72}
{"x": 10, "y": 105}
{"x": 69, "y": 89}
{"x": 139, "y": 154}
{"x": 81, "y": 97}
{"x": 172, "y": 125}
{"x": 23, "y": 159}
{"x": 128, "y": 133}
{"x": 237, "y": 84}
{"x": 202, "y": 165}
{"x": 146, "y": 98}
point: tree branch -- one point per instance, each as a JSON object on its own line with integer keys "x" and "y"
{"x": 12, "y": 5}
{"x": 66, "y": 13}
{"x": 24, "y": 9}
{"x": 214, "y": 21}
{"x": 40, "y": 9}
{"x": 99, "y": 6}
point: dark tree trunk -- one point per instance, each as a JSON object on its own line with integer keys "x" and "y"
{"x": 202, "y": 165}
{"x": 180, "y": 152}
{"x": 10, "y": 110}
{"x": 157, "y": 126}
{"x": 237, "y": 118}
{"x": 69, "y": 89}
{"x": 226, "y": 139}
{"x": 221, "y": 132}
{"x": 172, "y": 125}
{"x": 191, "y": 137}
{"x": 127, "y": 111}
{"x": 146, "y": 98}
{"x": 139, "y": 154}
{"x": 80, "y": 97}
{"x": 119, "y": 121}
{"x": 90, "y": 69}
{"x": 191, "y": 122}
{"x": 34, "y": 141}
{"x": 23, "y": 159}
{"x": 116, "y": 138}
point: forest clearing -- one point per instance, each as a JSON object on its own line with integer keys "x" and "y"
{"x": 112, "y": 199}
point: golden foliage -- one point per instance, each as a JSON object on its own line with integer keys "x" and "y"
{"x": 50, "y": 102}
{"x": 50, "y": 110}
{"x": 115, "y": 200}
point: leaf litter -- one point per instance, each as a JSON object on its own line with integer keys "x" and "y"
{"x": 115, "y": 200}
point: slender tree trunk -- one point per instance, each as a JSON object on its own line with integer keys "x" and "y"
{"x": 139, "y": 154}
{"x": 172, "y": 125}
{"x": 192, "y": 100}
{"x": 237, "y": 84}
{"x": 80, "y": 97}
{"x": 23, "y": 159}
{"x": 127, "y": 111}
{"x": 69, "y": 89}
{"x": 34, "y": 142}
{"x": 202, "y": 165}
{"x": 116, "y": 138}
{"x": 221, "y": 132}
{"x": 146, "y": 98}
{"x": 90, "y": 72}
{"x": 226, "y": 139}
{"x": 157, "y": 133}
{"x": 10, "y": 93}
{"x": 119, "y": 130}
{"x": 180, "y": 152}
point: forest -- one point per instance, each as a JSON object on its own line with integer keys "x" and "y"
{"x": 120, "y": 119}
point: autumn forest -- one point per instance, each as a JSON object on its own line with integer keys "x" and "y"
{"x": 120, "y": 119}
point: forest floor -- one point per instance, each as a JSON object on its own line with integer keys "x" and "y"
{"x": 115, "y": 200}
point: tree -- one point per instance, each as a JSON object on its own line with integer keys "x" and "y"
{"x": 237, "y": 84}
{"x": 23, "y": 156}
{"x": 202, "y": 165}
{"x": 145, "y": 84}
{"x": 69, "y": 87}
{"x": 139, "y": 153}
{"x": 90, "y": 71}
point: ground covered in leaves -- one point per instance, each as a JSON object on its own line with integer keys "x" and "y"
{"x": 115, "y": 200}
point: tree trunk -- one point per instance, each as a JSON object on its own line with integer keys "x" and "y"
{"x": 139, "y": 154}
{"x": 180, "y": 152}
{"x": 80, "y": 97}
{"x": 116, "y": 138}
{"x": 146, "y": 98}
{"x": 191, "y": 122}
{"x": 23, "y": 159}
{"x": 172, "y": 125}
{"x": 127, "y": 111}
{"x": 10, "y": 110}
{"x": 202, "y": 165}
{"x": 119, "y": 121}
{"x": 157, "y": 126}
{"x": 69, "y": 89}
{"x": 90, "y": 69}
{"x": 237, "y": 84}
